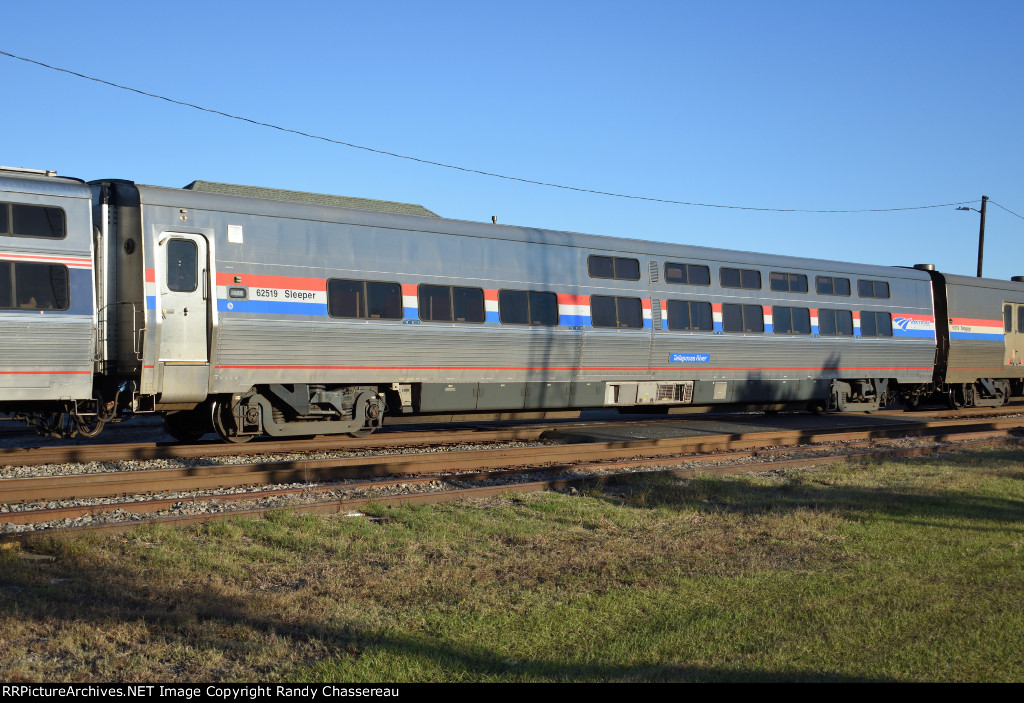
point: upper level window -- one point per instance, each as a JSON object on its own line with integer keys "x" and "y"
{"x": 520, "y": 307}
{"x": 740, "y": 278}
{"x": 615, "y": 267}
{"x": 364, "y": 300}
{"x": 875, "y": 324}
{"x": 613, "y": 311}
{"x": 32, "y": 221}
{"x": 791, "y": 282}
{"x": 742, "y": 318}
{"x": 831, "y": 285}
{"x": 872, "y": 289}
{"x": 182, "y": 265}
{"x": 31, "y": 286}
{"x": 451, "y": 304}
{"x": 835, "y": 323}
{"x": 688, "y": 274}
{"x": 791, "y": 320}
{"x": 689, "y": 315}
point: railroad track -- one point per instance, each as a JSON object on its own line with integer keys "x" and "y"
{"x": 352, "y": 482}
{"x": 143, "y": 451}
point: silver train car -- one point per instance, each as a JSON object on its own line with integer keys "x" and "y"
{"x": 287, "y": 316}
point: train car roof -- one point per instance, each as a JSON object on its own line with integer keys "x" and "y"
{"x": 178, "y": 198}
{"x": 16, "y": 180}
{"x": 993, "y": 283}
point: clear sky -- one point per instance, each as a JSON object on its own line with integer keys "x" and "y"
{"x": 808, "y": 105}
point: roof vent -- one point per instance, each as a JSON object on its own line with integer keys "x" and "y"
{"x": 1018, "y": 279}
{"x": 925, "y": 267}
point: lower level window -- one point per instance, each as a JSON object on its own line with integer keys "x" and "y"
{"x": 612, "y": 311}
{"x": 875, "y": 324}
{"x": 367, "y": 300}
{"x": 791, "y": 320}
{"x": 742, "y": 318}
{"x": 835, "y": 323}
{"x": 27, "y": 286}
{"x": 451, "y": 304}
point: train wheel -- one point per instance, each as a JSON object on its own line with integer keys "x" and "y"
{"x": 224, "y": 424}
{"x": 187, "y": 426}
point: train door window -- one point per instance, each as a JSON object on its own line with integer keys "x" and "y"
{"x": 1020, "y": 318}
{"x": 742, "y": 318}
{"x": 689, "y": 315}
{"x": 615, "y": 267}
{"x": 872, "y": 289}
{"x": 740, "y": 278}
{"x": 831, "y": 285}
{"x": 875, "y": 324}
{"x": 6, "y": 285}
{"x": 520, "y": 307}
{"x": 687, "y": 274}
{"x": 835, "y": 323}
{"x": 41, "y": 286}
{"x": 789, "y": 282}
{"x": 1007, "y": 318}
{"x": 612, "y": 311}
{"x": 182, "y": 265}
{"x": 4, "y": 215}
{"x": 36, "y": 221}
{"x": 791, "y": 320}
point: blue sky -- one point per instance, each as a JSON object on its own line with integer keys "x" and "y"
{"x": 808, "y": 105}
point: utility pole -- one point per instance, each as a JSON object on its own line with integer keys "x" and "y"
{"x": 981, "y": 233}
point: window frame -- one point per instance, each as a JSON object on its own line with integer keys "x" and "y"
{"x": 529, "y": 307}
{"x": 364, "y": 313}
{"x": 8, "y": 215}
{"x": 451, "y": 304}
{"x": 618, "y": 317}
{"x": 668, "y": 316}
{"x": 686, "y": 266}
{"x": 614, "y": 260}
{"x": 740, "y": 272}
{"x": 790, "y": 277}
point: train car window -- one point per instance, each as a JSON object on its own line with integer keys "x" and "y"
{"x": 6, "y": 285}
{"x": 875, "y": 324}
{"x": 831, "y": 285}
{"x": 615, "y": 267}
{"x": 691, "y": 315}
{"x": 182, "y": 266}
{"x": 687, "y": 274}
{"x": 367, "y": 300}
{"x": 1008, "y": 318}
{"x": 39, "y": 287}
{"x": 451, "y": 304}
{"x": 520, "y": 307}
{"x": 742, "y": 318}
{"x": 791, "y": 320}
{"x": 1020, "y": 318}
{"x": 4, "y": 215}
{"x": 612, "y": 311}
{"x": 740, "y": 278}
{"x": 789, "y": 282}
{"x": 872, "y": 289}
{"x": 36, "y": 221}
{"x": 835, "y": 323}
{"x": 435, "y": 303}
{"x": 467, "y": 304}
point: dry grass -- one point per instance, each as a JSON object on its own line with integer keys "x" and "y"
{"x": 895, "y": 571}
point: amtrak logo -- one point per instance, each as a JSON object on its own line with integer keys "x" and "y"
{"x": 907, "y": 324}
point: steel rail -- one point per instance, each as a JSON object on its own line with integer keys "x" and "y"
{"x": 211, "y": 477}
{"x": 353, "y": 504}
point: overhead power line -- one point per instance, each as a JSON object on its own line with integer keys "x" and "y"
{"x": 993, "y": 202}
{"x": 463, "y": 168}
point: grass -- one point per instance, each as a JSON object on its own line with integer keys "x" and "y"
{"x": 897, "y": 571}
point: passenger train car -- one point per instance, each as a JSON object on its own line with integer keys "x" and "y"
{"x": 257, "y": 315}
